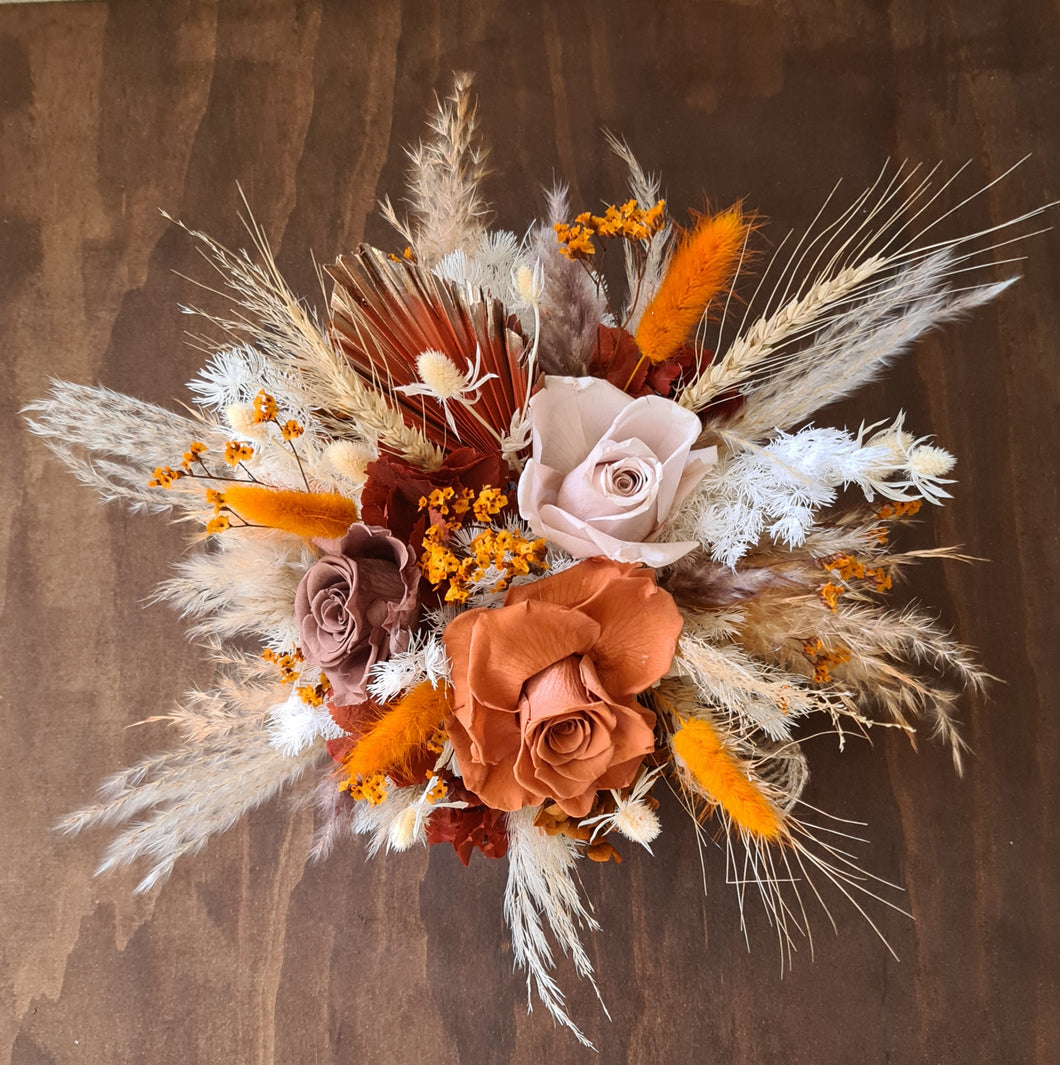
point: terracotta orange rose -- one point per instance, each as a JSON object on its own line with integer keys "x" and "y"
{"x": 545, "y": 687}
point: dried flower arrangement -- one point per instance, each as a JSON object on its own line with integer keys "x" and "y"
{"x": 512, "y": 553}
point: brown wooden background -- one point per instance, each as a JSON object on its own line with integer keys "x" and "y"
{"x": 110, "y": 112}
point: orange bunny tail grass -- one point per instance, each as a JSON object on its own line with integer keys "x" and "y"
{"x": 725, "y": 782}
{"x": 703, "y": 265}
{"x": 404, "y": 731}
{"x": 309, "y": 514}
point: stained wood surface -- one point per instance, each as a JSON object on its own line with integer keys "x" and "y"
{"x": 110, "y": 112}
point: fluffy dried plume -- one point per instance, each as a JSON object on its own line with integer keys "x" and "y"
{"x": 245, "y": 587}
{"x": 305, "y": 514}
{"x": 400, "y": 733}
{"x": 572, "y": 306}
{"x": 541, "y": 897}
{"x": 702, "y": 265}
{"x": 723, "y": 781}
{"x": 448, "y": 212}
{"x": 89, "y": 428}
{"x": 170, "y": 804}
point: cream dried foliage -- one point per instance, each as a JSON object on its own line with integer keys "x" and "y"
{"x": 169, "y": 805}
{"x": 448, "y": 212}
{"x": 644, "y": 274}
{"x": 542, "y": 898}
{"x": 846, "y": 299}
{"x": 289, "y": 337}
{"x": 757, "y": 694}
{"x": 246, "y": 586}
{"x": 112, "y": 442}
{"x": 886, "y": 649}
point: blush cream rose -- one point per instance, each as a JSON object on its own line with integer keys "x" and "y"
{"x": 545, "y": 687}
{"x": 607, "y": 470}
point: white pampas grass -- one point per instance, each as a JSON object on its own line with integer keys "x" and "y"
{"x": 541, "y": 894}
{"x": 857, "y": 345}
{"x": 759, "y": 696}
{"x": 448, "y": 213}
{"x": 112, "y": 442}
{"x": 170, "y": 804}
{"x": 246, "y": 585}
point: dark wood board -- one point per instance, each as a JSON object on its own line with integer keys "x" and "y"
{"x": 109, "y": 112}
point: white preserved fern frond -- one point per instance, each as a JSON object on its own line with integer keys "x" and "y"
{"x": 777, "y": 489}
{"x": 294, "y": 725}
{"x": 425, "y": 660}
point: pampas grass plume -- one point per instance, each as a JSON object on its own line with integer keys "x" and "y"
{"x": 721, "y": 776}
{"x": 702, "y": 266}
{"x": 308, "y": 514}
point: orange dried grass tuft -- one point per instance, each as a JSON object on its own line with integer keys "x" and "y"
{"x": 309, "y": 514}
{"x": 724, "y": 780}
{"x": 702, "y": 266}
{"x": 401, "y": 733}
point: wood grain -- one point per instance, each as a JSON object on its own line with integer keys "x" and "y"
{"x": 109, "y": 112}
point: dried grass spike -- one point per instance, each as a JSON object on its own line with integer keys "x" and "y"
{"x": 400, "y": 733}
{"x": 308, "y": 514}
{"x": 701, "y": 267}
{"x": 700, "y": 749}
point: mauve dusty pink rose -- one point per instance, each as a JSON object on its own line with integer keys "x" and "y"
{"x": 608, "y": 469}
{"x": 356, "y": 606}
{"x": 545, "y": 687}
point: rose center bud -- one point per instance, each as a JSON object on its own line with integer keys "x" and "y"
{"x": 629, "y": 481}
{"x": 565, "y": 737}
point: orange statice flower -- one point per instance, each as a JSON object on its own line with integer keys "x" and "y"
{"x": 236, "y": 452}
{"x": 265, "y": 407}
{"x": 629, "y": 222}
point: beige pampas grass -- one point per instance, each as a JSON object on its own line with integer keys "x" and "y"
{"x": 448, "y": 213}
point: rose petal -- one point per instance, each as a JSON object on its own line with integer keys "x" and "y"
{"x": 573, "y": 413}
{"x": 532, "y": 637}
